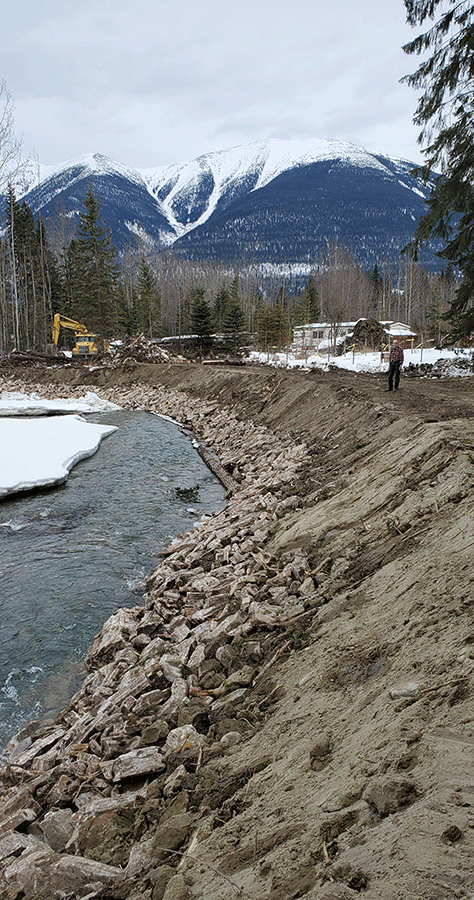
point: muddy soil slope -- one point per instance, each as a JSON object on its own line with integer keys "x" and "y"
{"x": 352, "y": 773}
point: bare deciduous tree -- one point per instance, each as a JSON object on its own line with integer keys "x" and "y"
{"x": 10, "y": 145}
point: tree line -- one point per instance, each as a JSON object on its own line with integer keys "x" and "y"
{"x": 199, "y": 303}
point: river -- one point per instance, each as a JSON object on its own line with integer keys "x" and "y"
{"x": 72, "y": 555}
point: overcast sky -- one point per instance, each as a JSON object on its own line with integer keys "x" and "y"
{"x": 157, "y": 82}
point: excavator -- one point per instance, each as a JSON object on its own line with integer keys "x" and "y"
{"x": 87, "y": 345}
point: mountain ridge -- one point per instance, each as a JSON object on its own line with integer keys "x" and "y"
{"x": 274, "y": 199}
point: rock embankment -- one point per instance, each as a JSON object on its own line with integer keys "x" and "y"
{"x": 290, "y": 714}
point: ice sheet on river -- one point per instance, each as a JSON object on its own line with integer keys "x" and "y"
{"x": 39, "y": 452}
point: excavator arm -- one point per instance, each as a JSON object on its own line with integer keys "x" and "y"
{"x": 63, "y": 322}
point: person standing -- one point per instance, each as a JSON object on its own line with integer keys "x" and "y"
{"x": 395, "y": 362}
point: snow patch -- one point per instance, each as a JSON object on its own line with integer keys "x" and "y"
{"x": 366, "y": 362}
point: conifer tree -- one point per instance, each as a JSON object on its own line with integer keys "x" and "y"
{"x": 377, "y": 290}
{"x": 307, "y": 306}
{"x": 32, "y": 282}
{"x": 445, "y": 112}
{"x": 219, "y": 308}
{"x": 201, "y": 319}
{"x": 92, "y": 271}
{"x": 272, "y": 327}
{"x": 233, "y": 325}
{"x": 148, "y": 301}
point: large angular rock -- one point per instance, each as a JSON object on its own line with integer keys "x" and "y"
{"x": 36, "y": 748}
{"x": 160, "y": 878}
{"x": 137, "y": 763}
{"x": 183, "y": 738}
{"x": 41, "y": 874}
{"x": 150, "y": 701}
{"x": 242, "y": 678}
{"x": 57, "y": 827}
{"x": 20, "y": 817}
{"x": 13, "y": 844}
{"x": 169, "y": 836}
{"x": 115, "y": 635}
{"x": 154, "y": 649}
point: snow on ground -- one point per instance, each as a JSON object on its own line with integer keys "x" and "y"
{"x": 19, "y": 404}
{"x": 364, "y": 362}
{"x": 41, "y": 449}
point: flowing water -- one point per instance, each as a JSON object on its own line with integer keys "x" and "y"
{"x": 71, "y": 556}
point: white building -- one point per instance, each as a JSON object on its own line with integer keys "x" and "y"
{"x": 320, "y": 335}
{"x": 399, "y": 330}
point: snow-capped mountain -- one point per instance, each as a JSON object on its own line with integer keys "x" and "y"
{"x": 128, "y": 207}
{"x": 269, "y": 201}
{"x": 190, "y": 193}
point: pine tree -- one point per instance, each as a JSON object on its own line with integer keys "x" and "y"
{"x": 233, "y": 325}
{"x": 147, "y": 302}
{"x": 306, "y": 308}
{"x": 92, "y": 271}
{"x": 33, "y": 280}
{"x": 377, "y": 290}
{"x": 445, "y": 112}
{"x": 201, "y": 320}
{"x": 219, "y": 308}
{"x": 272, "y": 327}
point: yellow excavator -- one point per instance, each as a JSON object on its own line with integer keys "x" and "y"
{"x": 87, "y": 345}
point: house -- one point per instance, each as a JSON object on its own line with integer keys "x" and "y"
{"x": 399, "y": 330}
{"x": 321, "y": 335}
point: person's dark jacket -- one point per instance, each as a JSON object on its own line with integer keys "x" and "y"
{"x": 396, "y": 355}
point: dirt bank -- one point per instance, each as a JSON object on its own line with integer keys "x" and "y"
{"x": 315, "y": 640}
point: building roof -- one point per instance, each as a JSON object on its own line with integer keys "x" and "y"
{"x": 398, "y": 329}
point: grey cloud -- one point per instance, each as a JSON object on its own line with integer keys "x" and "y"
{"x": 151, "y": 83}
